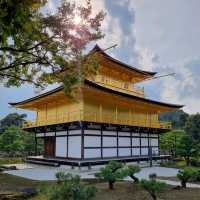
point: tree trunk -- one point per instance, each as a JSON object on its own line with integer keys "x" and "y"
{"x": 187, "y": 159}
{"x": 136, "y": 180}
{"x": 154, "y": 197}
{"x": 183, "y": 184}
{"x": 111, "y": 185}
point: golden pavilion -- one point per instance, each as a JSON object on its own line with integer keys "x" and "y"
{"x": 110, "y": 119}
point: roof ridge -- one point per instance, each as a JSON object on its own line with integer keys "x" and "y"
{"x": 99, "y": 49}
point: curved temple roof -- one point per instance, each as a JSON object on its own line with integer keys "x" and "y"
{"x": 98, "y": 49}
{"x": 90, "y": 83}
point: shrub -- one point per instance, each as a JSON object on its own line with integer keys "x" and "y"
{"x": 195, "y": 162}
{"x": 153, "y": 187}
{"x": 197, "y": 176}
{"x": 186, "y": 175}
{"x": 131, "y": 170}
{"x": 111, "y": 173}
{"x": 68, "y": 187}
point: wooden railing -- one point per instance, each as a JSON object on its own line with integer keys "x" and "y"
{"x": 95, "y": 117}
{"x": 121, "y": 86}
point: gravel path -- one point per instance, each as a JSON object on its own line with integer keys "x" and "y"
{"x": 44, "y": 173}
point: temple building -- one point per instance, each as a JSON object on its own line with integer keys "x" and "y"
{"x": 110, "y": 119}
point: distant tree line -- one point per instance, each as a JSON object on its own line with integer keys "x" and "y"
{"x": 13, "y": 140}
{"x": 184, "y": 139}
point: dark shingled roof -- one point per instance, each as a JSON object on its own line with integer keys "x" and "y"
{"x": 92, "y": 84}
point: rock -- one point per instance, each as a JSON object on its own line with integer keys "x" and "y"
{"x": 3, "y": 167}
{"x": 29, "y": 192}
{"x": 12, "y": 196}
{"x": 12, "y": 167}
{"x": 178, "y": 187}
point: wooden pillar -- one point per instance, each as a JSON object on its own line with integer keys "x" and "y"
{"x": 129, "y": 118}
{"x": 117, "y": 143}
{"x": 67, "y": 141}
{"x": 101, "y": 142}
{"x": 116, "y": 114}
{"x": 158, "y": 143}
{"x": 140, "y": 142}
{"x": 131, "y": 135}
{"x": 100, "y": 113}
{"x": 36, "y": 145}
{"x": 82, "y": 140}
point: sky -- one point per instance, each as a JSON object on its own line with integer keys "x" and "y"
{"x": 155, "y": 35}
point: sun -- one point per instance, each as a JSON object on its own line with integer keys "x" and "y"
{"x": 77, "y": 19}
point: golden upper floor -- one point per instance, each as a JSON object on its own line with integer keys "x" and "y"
{"x": 95, "y": 103}
{"x": 119, "y": 76}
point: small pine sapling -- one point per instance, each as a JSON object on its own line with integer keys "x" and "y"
{"x": 153, "y": 187}
{"x": 111, "y": 173}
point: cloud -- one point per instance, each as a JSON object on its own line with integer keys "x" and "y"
{"x": 168, "y": 42}
{"x": 147, "y": 59}
{"x": 52, "y": 6}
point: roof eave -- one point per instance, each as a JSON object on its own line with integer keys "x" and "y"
{"x": 98, "y": 49}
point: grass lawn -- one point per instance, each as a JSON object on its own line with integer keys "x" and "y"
{"x": 7, "y": 161}
{"x": 129, "y": 191}
{"x": 178, "y": 165}
{"x": 123, "y": 190}
{"x": 14, "y": 183}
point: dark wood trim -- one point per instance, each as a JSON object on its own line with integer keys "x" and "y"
{"x": 36, "y": 145}
{"x": 131, "y": 143}
{"x": 117, "y": 143}
{"x": 114, "y": 147}
{"x": 67, "y": 141}
{"x": 140, "y": 144}
{"x": 82, "y": 141}
{"x": 101, "y": 141}
{"x": 158, "y": 144}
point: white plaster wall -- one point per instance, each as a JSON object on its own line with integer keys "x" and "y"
{"x": 153, "y": 135}
{"x": 109, "y": 141}
{"x": 136, "y": 151}
{"x": 123, "y": 133}
{"x": 96, "y": 132}
{"x": 136, "y": 141}
{"x": 74, "y": 148}
{"x": 123, "y": 141}
{"x": 144, "y": 135}
{"x": 74, "y": 132}
{"x": 154, "y": 142}
{"x": 109, "y": 133}
{"x": 92, "y": 153}
{"x": 39, "y": 134}
{"x": 124, "y": 151}
{"x": 144, "y": 141}
{"x": 136, "y": 134}
{"x": 61, "y": 133}
{"x": 155, "y": 151}
{"x": 110, "y": 152}
{"x": 61, "y": 146}
{"x": 92, "y": 141}
{"x": 50, "y": 134}
{"x": 144, "y": 151}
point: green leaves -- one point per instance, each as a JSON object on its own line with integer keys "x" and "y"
{"x": 69, "y": 187}
{"x": 11, "y": 141}
{"x": 153, "y": 187}
{"x": 131, "y": 170}
{"x": 170, "y": 140}
{"x": 111, "y": 173}
{"x": 186, "y": 175}
{"x": 38, "y": 48}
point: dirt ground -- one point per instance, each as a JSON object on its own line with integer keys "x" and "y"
{"x": 122, "y": 191}
{"x": 129, "y": 191}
